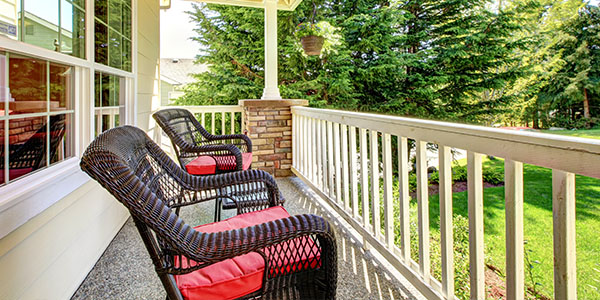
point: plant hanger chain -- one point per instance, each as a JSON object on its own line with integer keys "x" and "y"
{"x": 314, "y": 14}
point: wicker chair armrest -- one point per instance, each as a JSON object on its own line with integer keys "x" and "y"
{"x": 215, "y": 247}
{"x": 242, "y": 137}
{"x": 234, "y": 183}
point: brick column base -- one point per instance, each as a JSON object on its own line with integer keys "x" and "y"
{"x": 269, "y": 125}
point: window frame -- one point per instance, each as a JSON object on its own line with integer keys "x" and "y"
{"x": 30, "y": 195}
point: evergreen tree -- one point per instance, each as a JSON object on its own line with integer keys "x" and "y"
{"x": 419, "y": 57}
{"x": 574, "y": 88}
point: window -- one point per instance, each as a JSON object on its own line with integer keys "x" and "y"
{"x": 112, "y": 24}
{"x": 57, "y": 25}
{"x": 109, "y": 101}
{"x": 35, "y": 114}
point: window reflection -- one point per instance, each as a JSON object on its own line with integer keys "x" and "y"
{"x": 57, "y": 25}
{"x": 109, "y": 101}
{"x": 27, "y": 85}
{"x": 113, "y": 33}
{"x": 61, "y": 87}
{"x": 60, "y": 137}
{"x": 31, "y": 138}
{"x": 101, "y": 43}
{"x": 41, "y": 23}
{"x": 72, "y": 29}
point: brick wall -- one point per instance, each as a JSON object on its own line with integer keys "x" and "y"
{"x": 269, "y": 125}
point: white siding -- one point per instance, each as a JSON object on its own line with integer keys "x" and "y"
{"x": 51, "y": 254}
{"x": 148, "y": 51}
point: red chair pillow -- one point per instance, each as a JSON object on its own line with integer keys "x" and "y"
{"x": 207, "y": 165}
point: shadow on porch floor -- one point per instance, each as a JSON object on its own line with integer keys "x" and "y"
{"x": 126, "y": 272}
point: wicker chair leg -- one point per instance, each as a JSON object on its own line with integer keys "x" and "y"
{"x": 218, "y": 205}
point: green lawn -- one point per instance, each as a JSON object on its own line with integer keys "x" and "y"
{"x": 584, "y": 133}
{"x": 538, "y": 227}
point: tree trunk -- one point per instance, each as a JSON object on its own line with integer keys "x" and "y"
{"x": 586, "y": 104}
{"x": 536, "y": 115}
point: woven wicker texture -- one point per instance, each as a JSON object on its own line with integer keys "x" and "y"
{"x": 191, "y": 140}
{"x": 141, "y": 176}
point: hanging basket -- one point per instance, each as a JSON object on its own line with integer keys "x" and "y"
{"x": 312, "y": 44}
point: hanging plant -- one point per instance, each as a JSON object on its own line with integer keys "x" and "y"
{"x": 312, "y": 37}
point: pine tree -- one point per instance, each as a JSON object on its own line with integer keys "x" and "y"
{"x": 573, "y": 90}
{"x": 419, "y": 57}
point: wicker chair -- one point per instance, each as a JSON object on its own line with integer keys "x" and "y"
{"x": 191, "y": 140}
{"x": 298, "y": 253}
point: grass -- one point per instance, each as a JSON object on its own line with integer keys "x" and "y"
{"x": 584, "y": 133}
{"x": 538, "y": 227}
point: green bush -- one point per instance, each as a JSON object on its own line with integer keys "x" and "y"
{"x": 459, "y": 173}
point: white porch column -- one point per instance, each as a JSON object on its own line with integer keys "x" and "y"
{"x": 271, "y": 90}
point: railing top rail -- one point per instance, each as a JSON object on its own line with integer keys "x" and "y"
{"x": 207, "y": 108}
{"x": 570, "y": 154}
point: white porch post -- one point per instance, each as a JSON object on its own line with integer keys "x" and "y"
{"x": 271, "y": 90}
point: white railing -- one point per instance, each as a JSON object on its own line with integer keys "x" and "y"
{"x": 216, "y": 119}
{"x": 346, "y": 172}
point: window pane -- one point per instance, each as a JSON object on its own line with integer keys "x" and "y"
{"x": 79, "y": 3}
{"x": 97, "y": 89}
{"x": 27, "y": 149}
{"x": 114, "y": 15}
{"x": 41, "y": 23}
{"x": 72, "y": 30}
{"x": 114, "y": 50}
{"x": 126, "y": 55}
{"x": 4, "y": 90}
{"x": 101, "y": 10}
{"x": 101, "y": 42}
{"x": 105, "y": 122}
{"x": 109, "y": 102}
{"x": 27, "y": 83}
{"x": 61, "y": 87}
{"x": 60, "y": 137}
{"x": 2, "y": 179}
{"x": 114, "y": 91}
{"x": 127, "y": 21}
{"x": 105, "y": 90}
{"x": 113, "y": 33}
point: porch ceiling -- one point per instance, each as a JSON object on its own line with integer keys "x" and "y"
{"x": 281, "y": 4}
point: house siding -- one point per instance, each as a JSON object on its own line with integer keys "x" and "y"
{"x": 51, "y": 254}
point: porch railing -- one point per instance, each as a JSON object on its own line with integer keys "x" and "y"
{"x": 338, "y": 153}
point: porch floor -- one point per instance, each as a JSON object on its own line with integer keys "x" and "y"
{"x": 125, "y": 270}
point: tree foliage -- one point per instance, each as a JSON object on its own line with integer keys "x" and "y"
{"x": 425, "y": 58}
{"x": 572, "y": 96}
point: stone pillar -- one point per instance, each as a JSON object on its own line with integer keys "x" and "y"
{"x": 269, "y": 125}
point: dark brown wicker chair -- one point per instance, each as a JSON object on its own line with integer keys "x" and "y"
{"x": 142, "y": 177}
{"x": 191, "y": 140}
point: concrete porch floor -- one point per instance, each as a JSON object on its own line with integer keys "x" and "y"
{"x": 125, "y": 270}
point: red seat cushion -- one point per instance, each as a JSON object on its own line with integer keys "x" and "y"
{"x": 202, "y": 165}
{"x": 242, "y": 275}
{"x": 206, "y": 165}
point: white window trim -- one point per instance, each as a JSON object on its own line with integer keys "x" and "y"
{"x": 26, "y": 197}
